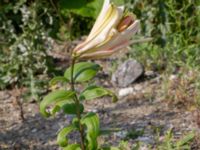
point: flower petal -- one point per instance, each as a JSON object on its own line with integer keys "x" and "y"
{"x": 123, "y": 36}
{"x": 105, "y": 53}
{"x": 100, "y": 19}
{"x": 101, "y": 34}
{"x": 119, "y": 37}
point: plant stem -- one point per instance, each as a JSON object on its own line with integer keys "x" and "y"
{"x": 81, "y": 129}
{"x": 20, "y": 104}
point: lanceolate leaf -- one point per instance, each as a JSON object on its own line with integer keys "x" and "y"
{"x": 71, "y": 108}
{"x": 75, "y": 122}
{"x": 58, "y": 79}
{"x": 185, "y": 140}
{"x": 62, "y": 139}
{"x": 83, "y": 71}
{"x": 93, "y": 92}
{"x": 72, "y": 147}
{"x": 53, "y": 98}
{"x": 68, "y": 107}
{"x": 91, "y": 121}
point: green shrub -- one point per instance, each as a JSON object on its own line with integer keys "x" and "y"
{"x": 174, "y": 26}
{"x": 23, "y": 46}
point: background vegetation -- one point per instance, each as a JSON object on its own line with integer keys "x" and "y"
{"x": 29, "y": 29}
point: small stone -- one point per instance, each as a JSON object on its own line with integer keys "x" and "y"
{"x": 34, "y": 130}
{"x": 127, "y": 73}
{"x": 125, "y": 91}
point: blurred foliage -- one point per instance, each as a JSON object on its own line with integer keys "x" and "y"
{"x": 80, "y": 15}
{"x": 23, "y": 43}
{"x": 169, "y": 142}
{"x": 28, "y": 27}
{"x": 175, "y": 27}
{"x": 27, "y": 31}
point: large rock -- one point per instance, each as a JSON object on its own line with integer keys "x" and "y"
{"x": 127, "y": 73}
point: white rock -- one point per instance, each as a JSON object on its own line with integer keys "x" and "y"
{"x": 34, "y": 130}
{"x": 125, "y": 91}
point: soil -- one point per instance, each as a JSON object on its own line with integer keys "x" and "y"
{"x": 143, "y": 110}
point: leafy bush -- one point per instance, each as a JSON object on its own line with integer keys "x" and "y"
{"x": 26, "y": 32}
{"x": 23, "y": 43}
{"x": 174, "y": 26}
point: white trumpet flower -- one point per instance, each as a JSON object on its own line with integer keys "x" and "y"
{"x": 111, "y": 32}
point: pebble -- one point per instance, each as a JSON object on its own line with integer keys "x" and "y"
{"x": 125, "y": 91}
{"x": 34, "y": 130}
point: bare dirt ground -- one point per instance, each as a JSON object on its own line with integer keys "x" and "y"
{"x": 143, "y": 110}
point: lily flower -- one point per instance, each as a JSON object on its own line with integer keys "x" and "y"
{"x": 111, "y": 32}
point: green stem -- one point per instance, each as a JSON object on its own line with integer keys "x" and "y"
{"x": 81, "y": 129}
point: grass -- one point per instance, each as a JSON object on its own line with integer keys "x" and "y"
{"x": 181, "y": 89}
{"x": 175, "y": 49}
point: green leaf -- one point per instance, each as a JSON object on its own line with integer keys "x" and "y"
{"x": 90, "y": 8}
{"x": 70, "y": 108}
{"x": 75, "y": 122}
{"x": 62, "y": 139}
{"x": 72, "y": 147}
{"x": 84, "y": 8}
{"x": 55, "y": 109}
{"x": 83, "y": 71}
{"x": 185, "y": 140}
{"x": 57, "y": 79}
{"x": 93, "y": 92}
{"x": 52, "y": 99}
{"x": 91, "y": 121}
